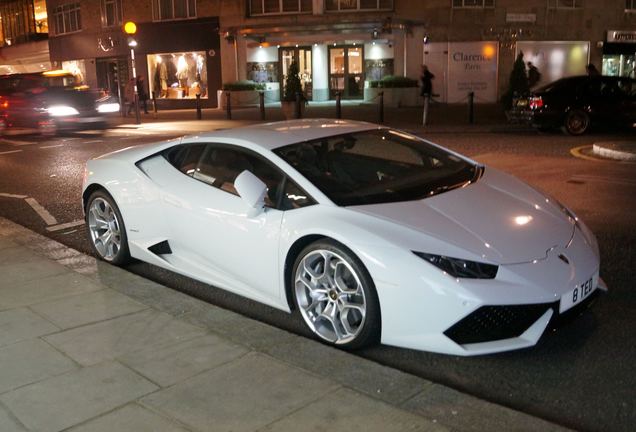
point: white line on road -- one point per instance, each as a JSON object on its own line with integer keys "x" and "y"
{"x": 92, "y": 141}
{"x": 65, "y": 225}
{"x": 16, "y": 142}
{"x": 10, "y": 151}
{"x": 603, "y": 179}
{"x": 44, "y": 214}
{"x": 51, "y": 146}
{"x": 8, "y": 195}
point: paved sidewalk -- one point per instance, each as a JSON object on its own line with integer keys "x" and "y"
{"x": 85, "y": 346}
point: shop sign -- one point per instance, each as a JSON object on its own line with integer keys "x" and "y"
{"x": 521, "y": 17}
{"x": 621, "y": 36}
{"x": 472, "y": 67}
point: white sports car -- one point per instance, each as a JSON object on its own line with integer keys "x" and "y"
{"x": 372, "y": 234}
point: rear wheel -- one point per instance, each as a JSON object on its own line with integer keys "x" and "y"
{"x": 106, "y": 229}
{"x": 335, "y": 295}
{"x": 577, "y": 122}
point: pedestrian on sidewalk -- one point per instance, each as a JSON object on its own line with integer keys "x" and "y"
{"x": 129, "y": 96}
{"x": 141, "y": 93}
{"x": 534, "y": 76}
{"x": 426, "y": 90}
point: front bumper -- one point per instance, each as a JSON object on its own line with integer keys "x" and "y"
{"x": 475, "y": 316}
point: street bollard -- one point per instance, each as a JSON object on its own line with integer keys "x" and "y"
{"x": 199, "y": 116}
{"x": 297, "y": 113}
{"x": 381, "y": 107}
{"x": 338, "y": 106}
{"x": 228, "y": 105}
{"x": 471, "y": 107}
{"x": 261, "y": 102}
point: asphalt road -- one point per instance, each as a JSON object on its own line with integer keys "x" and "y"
{"x": 580, "y": 376}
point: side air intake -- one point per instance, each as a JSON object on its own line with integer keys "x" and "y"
{"x": 161, "y": 248}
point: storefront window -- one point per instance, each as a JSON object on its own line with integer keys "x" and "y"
{"x": 77, "y": 68}
{"x": 178, "y": 75}
{"x": 619, "y": 65}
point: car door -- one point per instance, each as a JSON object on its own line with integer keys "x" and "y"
{"x": 214, "y": 229}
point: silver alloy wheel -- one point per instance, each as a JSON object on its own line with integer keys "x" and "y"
{"x": 330, "y": 296}
{"x": 104, "y": 228}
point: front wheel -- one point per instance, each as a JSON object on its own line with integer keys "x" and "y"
{"x": 106, "y": 229}
{"x": 577, "y": 122}
{"x": 336, "y": 295}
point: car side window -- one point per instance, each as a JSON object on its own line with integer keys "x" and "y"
{"x": 221, "y": 165}
{"x": 185, "y": 157}
{"x": 294, "y": 197}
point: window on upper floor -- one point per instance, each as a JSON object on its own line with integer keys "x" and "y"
{"x": 352, "y": 5}
{"x": 473, "y": 4}
{"x": 165, "y": 10}
{"x": 565, "y": 4}
{"x": 111, "y": 13}
{"x": 274, "y": 7}
{"x": 630, "y": 5}
{"x": 67, "y": 18}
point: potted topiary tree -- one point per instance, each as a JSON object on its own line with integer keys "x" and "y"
{"x": 292, "y": 88}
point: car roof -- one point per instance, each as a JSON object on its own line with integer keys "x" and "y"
{"x": 278, "y": 134}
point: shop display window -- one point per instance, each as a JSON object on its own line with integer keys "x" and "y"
{"x": 178, "y": 75}
{"x": 619, "y": 65}
{"x": 262, "y": 72}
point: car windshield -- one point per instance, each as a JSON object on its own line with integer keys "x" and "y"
{"x": 377, "y": 166}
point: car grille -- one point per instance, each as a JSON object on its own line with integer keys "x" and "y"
{"x": 491, "y": 323}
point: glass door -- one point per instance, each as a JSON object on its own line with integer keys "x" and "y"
{"x": 346, "y": 72}
{"x": 302, "y": 56}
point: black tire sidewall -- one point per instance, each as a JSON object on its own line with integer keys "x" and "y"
{"x": 371, "y": 330}
{"x": 123, "y": 256}
{"x": 582, "y": 114}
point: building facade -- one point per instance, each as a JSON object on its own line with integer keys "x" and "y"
{"x": 177, "y": 42}
{"x": 23, "y": 36}
{"x": 469, "y": 45}
{"x": 189, "y": 47}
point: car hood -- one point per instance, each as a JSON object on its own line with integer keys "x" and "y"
{"x": 498, "y": 218}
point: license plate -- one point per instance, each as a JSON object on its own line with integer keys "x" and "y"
{"x": 577, "y": 295}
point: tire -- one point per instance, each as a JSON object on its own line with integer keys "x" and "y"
{"x": 335, "y": 295}
{"x": 103, "y": 218}
{"x": 577, "y": 122}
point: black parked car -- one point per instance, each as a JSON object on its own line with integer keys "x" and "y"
{"x": 578, "y": 103}
{"x": 50, "y": 102}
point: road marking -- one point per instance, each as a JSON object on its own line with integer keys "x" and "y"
{"x": 578, "y": 153}
{"x": 65, "y": 225}
{"x": 17, "y": 143}
{"x": 10, "y": 151}
{"x": 41, "y": 211}
{"x": 93, "y": 141}
{"x": 51, "y": 146}
{"x": 7, "y": 195}
{"x": 587, "y": 178}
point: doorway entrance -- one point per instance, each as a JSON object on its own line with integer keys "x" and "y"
{"x": 346, "y": 72}
{"x": 302, "y": 56}
{"x": 112, "y": 75}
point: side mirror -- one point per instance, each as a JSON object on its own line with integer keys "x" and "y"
{"x": 252, "y": 190}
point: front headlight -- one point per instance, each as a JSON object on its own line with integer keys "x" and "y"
{"x": 460, "y": 268}
{"x": 108, "y": 107}
{"x": 61, "y": 111}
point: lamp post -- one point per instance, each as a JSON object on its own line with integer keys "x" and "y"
{"x": 130, "y": 28}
